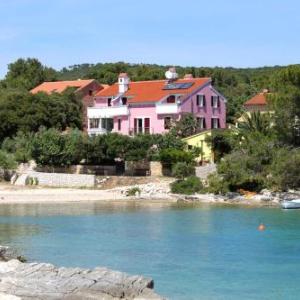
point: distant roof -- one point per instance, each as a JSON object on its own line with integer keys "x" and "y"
{"x": 60, "y": 86}
{"x": 259, "y": 99}
{"x": 153, "y": 91}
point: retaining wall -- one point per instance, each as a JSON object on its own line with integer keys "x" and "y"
{"x": 64, "y": 180}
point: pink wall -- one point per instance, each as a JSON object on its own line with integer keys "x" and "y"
{"x": 190, "y": 106}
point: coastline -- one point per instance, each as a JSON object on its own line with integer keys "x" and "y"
{"x": 160, "y": 196}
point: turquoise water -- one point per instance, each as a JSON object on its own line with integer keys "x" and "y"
{"x": 191, "y": 252}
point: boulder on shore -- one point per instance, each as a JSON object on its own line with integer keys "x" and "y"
{"x": 42, "y": 281}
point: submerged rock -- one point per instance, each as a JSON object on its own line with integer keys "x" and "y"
{"x": 42, "y": 281}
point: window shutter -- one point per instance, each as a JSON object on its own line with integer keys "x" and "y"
{"x": 204, "y": 123}
{"x": 198, "y": 100}
{"x": 218, "y": 101}
{"x": 212, "y": 101}
{"x": 204, "y": 101}
{"x": 218, "y": 123}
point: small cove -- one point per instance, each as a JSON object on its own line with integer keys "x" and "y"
{"x": 191, "y": 252}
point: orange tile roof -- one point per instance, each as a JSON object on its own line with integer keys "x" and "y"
{"x": 151, "y": 91}
{"x": 259, "y": 99}
{"x": 60, "y": 86}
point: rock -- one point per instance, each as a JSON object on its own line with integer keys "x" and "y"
{"x": 45, "y": 281}
{"x": 232, "y": 195}
{"x": 7, "y": 253}
{"x": 13, "y": 178}
{"x": 22, "y": 281}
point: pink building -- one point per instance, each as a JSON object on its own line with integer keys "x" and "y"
{"x": 151, "y": 106}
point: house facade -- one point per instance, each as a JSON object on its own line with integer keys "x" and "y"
{"x": 85, "y": 89}
{"x": 152, "y": 106}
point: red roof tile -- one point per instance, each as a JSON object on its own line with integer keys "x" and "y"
{"x": 259, "y": 99}
{"x": 151, "y": 91}
{"x": 60, "y": 86}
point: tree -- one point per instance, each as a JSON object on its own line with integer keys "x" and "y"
{"x": 286, "y": 104}
{"x": 25, "y": 74}
{"x": 185, "y": 127}
{"x": 181, "y": 170}
{"x": 23, "y": 111}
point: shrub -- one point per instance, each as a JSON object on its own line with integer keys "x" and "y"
{"x": 133, "y": 191}
{"x": 182, "y": 170}
{"x": 172, "y": 156}
{"x": 7, "y": 161}
{"x": 20, "y": 145}
{"x": 216, "y": 184}
{"x": 188, "y": 186}
{"x": 284, "y": 172}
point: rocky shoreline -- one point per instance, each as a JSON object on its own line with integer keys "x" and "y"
{"x": 42, "y": 281}
{"x": 158, "y": 192}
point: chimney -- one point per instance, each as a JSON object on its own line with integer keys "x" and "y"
{"x": 123, "y": 82}
{"x": 188, "y": 76}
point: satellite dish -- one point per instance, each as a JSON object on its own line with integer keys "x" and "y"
{"x": 171, "y": 74}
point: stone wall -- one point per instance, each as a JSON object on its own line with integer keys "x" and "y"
{"x": 156, "y": 168}
{"x": 80, "y": 169}
{"x": 63, "y": 180}
{"x": 137, "y": 168}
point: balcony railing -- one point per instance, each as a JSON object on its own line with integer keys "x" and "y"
{"x": 107, "y": 112}
{"x": 141, "y": 130}
{"x": 96, "y": 131}
{"x": 167, "y": 108}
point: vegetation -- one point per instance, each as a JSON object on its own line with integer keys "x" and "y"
{"x": 188, "y": 186}
{"x": 54, "y": 148}
{"x": 133, "y": 191}
{"x": 182, "y": 170}
{"x": 7, "y": 161}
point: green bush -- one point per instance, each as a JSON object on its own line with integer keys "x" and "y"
{"x": 216, "y": 184}
{"x": 182, "y": 170}
{"x": 172, "y": 156}
{"x": 132, "y": 191}
{"x": 7, "y": 161}
{"x": 284, "y": 172}
{"x": 20, "y": 146}
{"x": 188, "y": 186}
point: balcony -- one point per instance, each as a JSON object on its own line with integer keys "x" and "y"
{"x": 107, "y": 112}
{"x": 167, "y": 108}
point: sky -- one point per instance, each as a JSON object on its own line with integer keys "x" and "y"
{"x": 234, "y": 33}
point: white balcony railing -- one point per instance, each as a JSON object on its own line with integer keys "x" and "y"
{"x": 107, "y": 112}
{"x": 97, "y": 131}
{"x": 168, "y": 108}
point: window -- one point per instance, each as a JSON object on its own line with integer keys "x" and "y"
{"x": 167, "y": 122}
{"x": 90, "y": 92}
{"x": 171, "y": 99}
{"x": 124, "y": 101}
{"x": 215, "y": 101}
{"x": 94, "y": 123}
{"x": 215, "y": 123}
{"x": 119, "y": 124}
{"x": 107, "y": 124}
{"x": 201, "y": 123}
{"x": 201, "y": 100}
{"x": 109, "y": 102}
{"x": 141, "y": 125}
